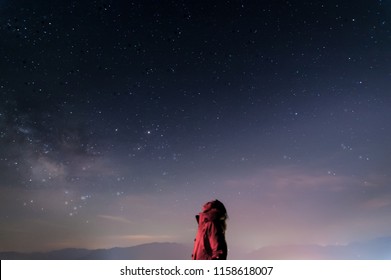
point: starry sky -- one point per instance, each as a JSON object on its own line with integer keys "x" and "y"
{"x": 119, "y": 119}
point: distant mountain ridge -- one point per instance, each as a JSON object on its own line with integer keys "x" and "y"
{"x": 150, "y": 251}
{"x": 376, "y": 249}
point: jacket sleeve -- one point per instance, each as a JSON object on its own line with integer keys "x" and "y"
{"x": 217, "y": 242}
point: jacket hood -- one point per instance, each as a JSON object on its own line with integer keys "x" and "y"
{"x": 214, "y": 204}
{"x": 210, "y": 215}
{"x": 212, "y": 211}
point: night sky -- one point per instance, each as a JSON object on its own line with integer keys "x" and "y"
{"x": 119, "y": 119}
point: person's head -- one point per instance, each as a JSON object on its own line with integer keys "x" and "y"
{"x": 215, "y": 205}
{"x": 219, "y": 209}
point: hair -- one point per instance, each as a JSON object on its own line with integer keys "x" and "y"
{"x": 216, "y": 204}
{"x": 220, "y": 208}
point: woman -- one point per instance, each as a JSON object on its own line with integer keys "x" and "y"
{"x": 210, "y": 243}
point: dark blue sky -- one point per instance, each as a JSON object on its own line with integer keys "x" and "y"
{"x": 119, "y": 119}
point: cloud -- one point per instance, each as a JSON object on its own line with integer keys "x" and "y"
{"x": 292, "y": 178}
{"x": 377, "y": 203}
{"x": 115, "y": 219}
{"x": 291, "y": 203}
{"x": 143, "y": 237}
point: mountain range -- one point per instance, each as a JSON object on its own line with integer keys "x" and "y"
{"x": 376, "y": 249}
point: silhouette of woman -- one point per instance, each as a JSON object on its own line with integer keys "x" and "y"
{"x": 210, "y": 243}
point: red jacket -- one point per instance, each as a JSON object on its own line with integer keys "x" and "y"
{"x": 210, "y": 243}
